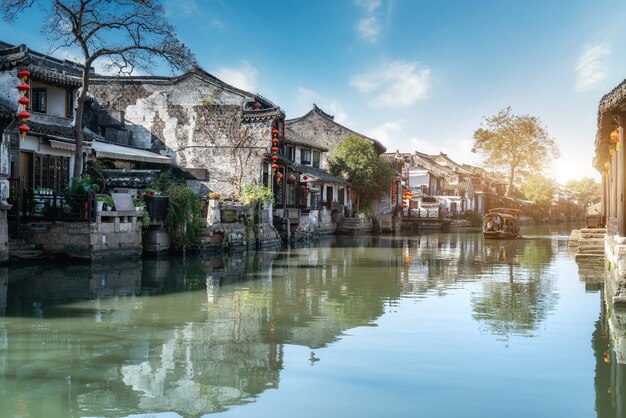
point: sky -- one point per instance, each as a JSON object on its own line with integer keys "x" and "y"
{"x": 418, "y": 75}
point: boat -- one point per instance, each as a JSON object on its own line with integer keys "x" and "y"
{"x": 501, "y": 223}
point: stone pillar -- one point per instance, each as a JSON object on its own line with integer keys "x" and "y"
{"x": 619, "y": 179}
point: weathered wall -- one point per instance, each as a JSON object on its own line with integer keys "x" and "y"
{"x": 315, "y": 128}
{"x": 94, "y": 241}
{"x": 195, "y": 122}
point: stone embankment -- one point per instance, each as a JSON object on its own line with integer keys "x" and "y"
{"x": 590, "y": 243}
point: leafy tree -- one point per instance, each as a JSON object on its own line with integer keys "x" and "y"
{"x": 127, "y": 33}
{"x": 589, "y": 191}
{"x": 355, "y": 159}
{"x": 538, "y": 189}
{"x": 511, "y": 142}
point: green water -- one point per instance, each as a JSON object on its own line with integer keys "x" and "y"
{"x": 442, "y": 325}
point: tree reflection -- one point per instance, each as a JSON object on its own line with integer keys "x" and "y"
{"x": 193, "y": 336}
{"x": 518, "y": 293}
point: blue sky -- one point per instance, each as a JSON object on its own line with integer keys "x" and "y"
{"x": 415, "y": 74}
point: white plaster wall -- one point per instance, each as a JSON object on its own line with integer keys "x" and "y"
{"x": 55, "y": 99}
{"x": 8, "y": 88}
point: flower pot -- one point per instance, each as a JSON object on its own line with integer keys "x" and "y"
{"x": 99, "y": 205}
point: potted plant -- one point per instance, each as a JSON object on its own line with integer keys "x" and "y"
{"x": 100, "y": 202}
{"x": 139, "y": 205}
{"x": 108, "y": 203}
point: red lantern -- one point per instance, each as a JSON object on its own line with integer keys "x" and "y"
{"x": 274, "y": 158}
{"x": 23, "y": 129}
{"x": 278, "y": 176}
{"x": 291, "y": 178}
{"x": 23, "y": 88}
{"x": 23, "y": 115}
{"x": 305, "y": 178}
{"x": 275, "y": 132}
{"x": 274, "y": 166}
{"x": 24, "y": 101}
{"x": 275, "y": 141}
{"x": 23, "y": 74}
{"x": 274, "y": 149}
{"x": 615, "y": 136}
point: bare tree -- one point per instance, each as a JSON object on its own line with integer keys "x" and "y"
{"x": 243, "y": 140}
{"x": 129, "y": 33}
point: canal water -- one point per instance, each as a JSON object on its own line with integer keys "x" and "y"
{"x": 438, "y": 325}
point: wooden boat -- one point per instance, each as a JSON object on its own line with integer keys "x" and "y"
{"x": 501, "y": 223}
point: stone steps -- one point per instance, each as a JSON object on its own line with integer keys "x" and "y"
{"x": 590, "y": 243}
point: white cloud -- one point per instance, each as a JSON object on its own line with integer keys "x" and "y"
{"x": 591, "y": 68}
{"x": 306, "y": 95}
{"x": 395, "y": 84}
{"x": 337, "y": 111}
{"x": 243, "y": 77}
{"x": 370, "y": 6}
{"x": 388, "y": 133}
{"x": 369, "y": 28}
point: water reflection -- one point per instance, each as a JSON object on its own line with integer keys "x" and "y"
{"x": 518, "y": 292}
{"x": 200, "y": 335}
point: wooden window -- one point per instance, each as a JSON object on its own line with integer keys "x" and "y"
{"x": 305, "y": 157}
{"x": 317, "y": 156}
{"x": 51, "y": 172}
{"x": 39, "y": 100}
{"x": 69, "y": 103}
{"x": 290, "y": 152}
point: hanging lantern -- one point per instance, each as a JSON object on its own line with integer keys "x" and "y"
{"x": 23, "y": 88}
{"x": 615, "y": 136}
{"x": 278, "y": 176}
{"x": 23, "y": 74}
{"x": 305, "y": 177}
{"x": 275, "y": 132}
{"x": 274, "y": 149}
{"x": 24, "y": 130}
{"x": 291, "y": 178}
{"x": 274, "y": 158}
{"x": 24, "y": 101}
{"x": 23, "y": 115}
{"x": 275, "y": 141}
{"x": 274, "y": 167}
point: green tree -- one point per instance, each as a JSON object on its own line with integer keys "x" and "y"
{"x": 511, "y": 142}
{"x": 355, "y": 160}
{"x": 538, "y": 189}
{"x": 588, "y": 190}
{"x": 127, "y": 34}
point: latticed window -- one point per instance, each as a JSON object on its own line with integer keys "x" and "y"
{"x": 316, "y": 159}
{"x": 51, "y": 172}
{"x": 38, "y": 100}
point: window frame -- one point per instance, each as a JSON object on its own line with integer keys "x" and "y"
{"x": 309, "y": 153}
{"x": 35, "y": 92}
{"x": 314, "y": 163}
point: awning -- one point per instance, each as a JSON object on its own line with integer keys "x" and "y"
{"x": 106, "y": 150}
{"x": 62, "y": 145}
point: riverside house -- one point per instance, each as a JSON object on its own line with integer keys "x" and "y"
{"x": 610, "y": 160}
{"x": 37, "y": 100}
{"x": 309, "y": 143}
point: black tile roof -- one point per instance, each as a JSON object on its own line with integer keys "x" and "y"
{"x": 42, "y": 67}
{"x": 312, "y": 171}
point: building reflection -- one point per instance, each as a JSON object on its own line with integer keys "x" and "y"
{"x": 191, "y": 336}
{"x": 609, "y": 348}
{"x": 200, "y": 335}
